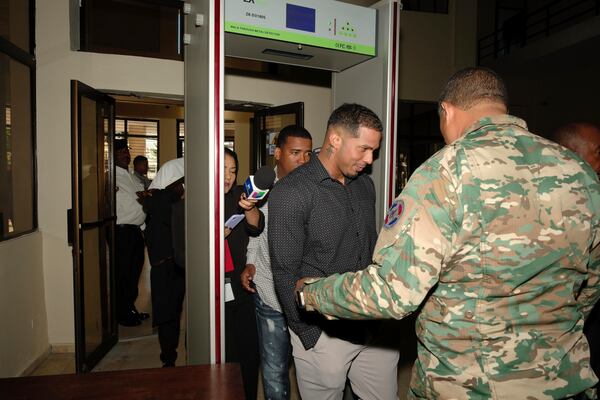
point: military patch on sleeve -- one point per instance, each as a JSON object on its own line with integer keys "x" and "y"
{"x": 394, "y": 213}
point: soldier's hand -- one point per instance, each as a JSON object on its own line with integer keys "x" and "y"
{"x": 299, "y": 284}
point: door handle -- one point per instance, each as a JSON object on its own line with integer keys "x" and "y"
{"x": 97, "y": 224}
{"x": 70, "y": 226}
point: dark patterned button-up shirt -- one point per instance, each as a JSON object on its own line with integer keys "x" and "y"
{"x": 318, "y": 227}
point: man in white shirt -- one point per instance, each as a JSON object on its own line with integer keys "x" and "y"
{"x": 140, "y": 170}
{"x": 129, "y": 242}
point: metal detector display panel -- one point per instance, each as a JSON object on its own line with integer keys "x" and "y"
{"x": 327, "y": 24}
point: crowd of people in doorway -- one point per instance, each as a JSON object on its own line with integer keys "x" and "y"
{"x": 157, "y": 208}
{"x": 494, "y": 243}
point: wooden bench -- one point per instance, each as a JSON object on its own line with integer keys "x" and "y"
{"x": 222, "y": 382}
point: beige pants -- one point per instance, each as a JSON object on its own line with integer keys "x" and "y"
{"x": 322, "y": 370}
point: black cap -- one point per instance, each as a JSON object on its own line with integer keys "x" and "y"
{"x": 120, "y": 144}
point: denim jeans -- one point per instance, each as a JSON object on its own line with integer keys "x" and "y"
{"x": 274, "y": 346}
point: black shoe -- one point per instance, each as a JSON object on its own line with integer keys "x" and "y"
{"x": 142, "y": 316}
{"x": 168, "y": 365}
{"x": 129, "y": 320}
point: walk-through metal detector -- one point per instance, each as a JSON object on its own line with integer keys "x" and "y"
{"x": 359, "y": 44}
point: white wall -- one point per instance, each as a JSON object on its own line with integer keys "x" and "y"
{"x": 317, "y": 100}
{"x": 56, "y": 66}
{"x": 22, "y": 310}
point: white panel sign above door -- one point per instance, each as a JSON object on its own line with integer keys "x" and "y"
{"x": 315, "y": 33}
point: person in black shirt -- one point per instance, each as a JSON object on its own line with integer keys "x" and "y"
{"x": 241, "y": 335}
{"x": 165, "y": 238}
{"x": 322, "y": 222}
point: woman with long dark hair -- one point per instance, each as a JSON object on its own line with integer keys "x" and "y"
{"x": 241, "y": 337}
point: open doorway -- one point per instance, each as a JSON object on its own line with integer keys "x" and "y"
{"x": 251, "y": 131}
{"x": 150, "y": 127}
{"x": 153, "y": 128}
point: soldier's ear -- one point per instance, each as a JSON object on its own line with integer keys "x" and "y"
{"x": 447, "y": 119}
{"x": 448, "y": 111}
{"x": 456, "y": 121}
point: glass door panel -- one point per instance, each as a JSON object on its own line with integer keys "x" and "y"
{"x": 93, "y": 223}
{"x": 268, "y": 123}
{"x": 89, "y": 161}
{"x": 92, "y": 293}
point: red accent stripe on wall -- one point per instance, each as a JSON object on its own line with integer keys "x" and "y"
{"x": 393, "y": 108}
{"x": 217, "y": 170}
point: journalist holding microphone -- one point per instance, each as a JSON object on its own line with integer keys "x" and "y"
{"x": 241, "y": 341}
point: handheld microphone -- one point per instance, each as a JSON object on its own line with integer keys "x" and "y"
{"x": 257, "y": 186}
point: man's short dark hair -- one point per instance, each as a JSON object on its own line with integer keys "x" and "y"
{"x": 471, "y": 86}
{"x": 292, "y": 131}
{"x": 120, "y": 144}
{"x": 139, "y": 159}
{"x": 353, "y": 116}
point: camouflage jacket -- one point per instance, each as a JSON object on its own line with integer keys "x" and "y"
{"x": 496, "y": 237}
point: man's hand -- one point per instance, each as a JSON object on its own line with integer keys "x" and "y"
{"x": 179, "y": 189}
{"x": 178, "y": 186}
{"x": 227, "y": 231}
{"x": 247, "y": 277}
{"x": 142, "y": 194}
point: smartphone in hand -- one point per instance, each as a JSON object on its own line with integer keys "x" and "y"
{"x": 234, "y": 220}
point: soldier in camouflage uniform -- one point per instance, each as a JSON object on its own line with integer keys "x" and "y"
{"x": 496, "y": 238}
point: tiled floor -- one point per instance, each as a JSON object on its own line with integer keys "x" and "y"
{"x": 56, "y": 364}
{"x": 136, "y": 354}
{"x": 137, "y": 348}
{"x": 143, "y": 304}
{"x": 127, "y": 354}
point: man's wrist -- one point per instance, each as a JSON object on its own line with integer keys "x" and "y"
{"x": 302, "y": 297}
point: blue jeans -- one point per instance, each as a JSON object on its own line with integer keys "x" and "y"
{"x": 274, "y": 347}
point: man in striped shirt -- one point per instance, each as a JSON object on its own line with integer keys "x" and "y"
{"x": 294, "y": 145}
